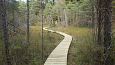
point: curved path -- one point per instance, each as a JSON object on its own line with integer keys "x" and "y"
{"x": 59, "y": 54}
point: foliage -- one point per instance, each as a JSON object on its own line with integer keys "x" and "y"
{"x": 48, "y": 9}
{"x": 35, "y": 7}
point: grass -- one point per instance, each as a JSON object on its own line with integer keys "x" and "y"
{"x": 23, "y": 53}
{"x": 82, "y": 50}
{"x": 83, "y": 47}
{"x": 50, "y": 41}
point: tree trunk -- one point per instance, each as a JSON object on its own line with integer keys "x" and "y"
{"x": 28, "y": 15}
{"x": 107, "y": 13}
{"x": 104, "y": 14}
{"x": 5, "y": 32}
{"x": 65, "y": 18}
{"x": 100, "y": 22}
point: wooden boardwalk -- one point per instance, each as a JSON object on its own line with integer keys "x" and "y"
{"x": 59, "y": 54}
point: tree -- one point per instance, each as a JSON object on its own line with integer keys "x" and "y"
{"x": 5, "y": 31}
{"x": 107, "y": 31}
{"x": 28, "y": 30}
{"x": 104, "y": 14}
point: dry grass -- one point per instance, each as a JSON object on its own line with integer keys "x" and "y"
{"x": 82, "y": 48}
{"x": 50, "y": 41}
{"x": 24, "y": 54}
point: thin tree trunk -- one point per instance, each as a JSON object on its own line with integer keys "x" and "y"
{"x": 28, "y": 21}
{"x": 65, "y": 18}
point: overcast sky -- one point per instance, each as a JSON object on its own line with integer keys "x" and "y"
{"x": 26, "y": 0}
{"x": 22, "y": 0}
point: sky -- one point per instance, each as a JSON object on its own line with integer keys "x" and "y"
{"x": 26, "y": 0}
{"x": 22, "y": 0}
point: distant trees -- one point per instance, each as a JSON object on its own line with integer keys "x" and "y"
{"x": 72, "y": 12}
